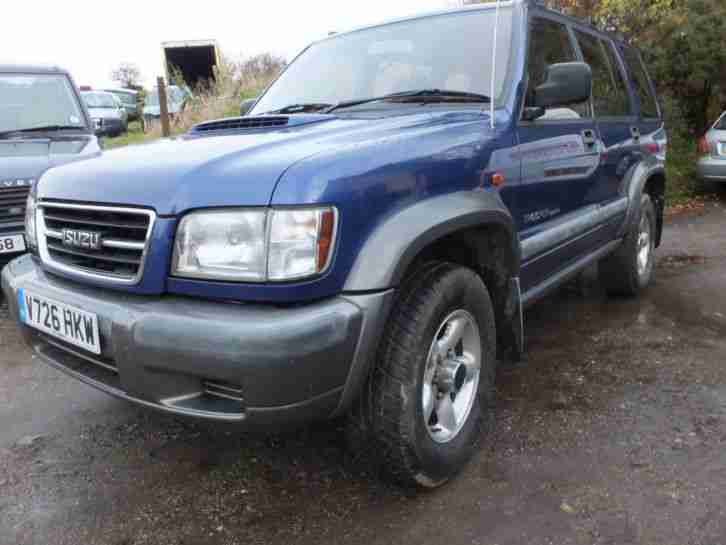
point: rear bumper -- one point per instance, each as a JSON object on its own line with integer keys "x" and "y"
{"x": 712, "y": 169}
{"x": 261, "y": 365}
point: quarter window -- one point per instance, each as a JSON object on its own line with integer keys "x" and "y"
{"x": 641, "y": 83}
{"x": 610, "y": 96}
{"x": 550, "y": 44}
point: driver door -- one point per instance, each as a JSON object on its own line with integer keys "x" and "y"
{"x": 559, "y": 155}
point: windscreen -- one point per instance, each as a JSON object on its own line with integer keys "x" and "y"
{"x": 450, "y": 52}
{"x": 100, "y": 100}
{"x": 28, "y": 101}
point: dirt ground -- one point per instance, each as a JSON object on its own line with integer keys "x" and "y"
{"x": 612, "y": 431}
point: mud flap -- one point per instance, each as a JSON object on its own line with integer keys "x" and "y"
{"x": 511, "y": 332}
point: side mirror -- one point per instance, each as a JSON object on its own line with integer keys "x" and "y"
{"x": 565, "y": 83}
{"x": 246, "y": 106}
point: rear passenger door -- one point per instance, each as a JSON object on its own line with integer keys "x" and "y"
{"x": 559, "y": 154}
{"x": 617, "y": 123}
{"x": 649, "y": 121}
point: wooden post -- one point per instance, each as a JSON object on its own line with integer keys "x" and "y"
{"x": 163, "y": 107}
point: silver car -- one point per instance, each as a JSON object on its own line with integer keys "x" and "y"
{"x": 712, "y": 165}
{"x": 107, "y": 112}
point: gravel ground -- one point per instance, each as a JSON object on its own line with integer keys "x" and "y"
{"x": 612, "y": 431}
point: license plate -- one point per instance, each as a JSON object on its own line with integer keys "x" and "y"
{"x": 71, "y": 324}
{"x": 12, "y": 244}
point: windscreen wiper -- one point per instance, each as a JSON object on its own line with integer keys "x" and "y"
{"x": 45, "y": 128}
{"x": 423, "y": 95}
{"x": 301, "y": 108}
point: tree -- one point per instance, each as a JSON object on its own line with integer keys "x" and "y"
{"x": 127, "y": 75}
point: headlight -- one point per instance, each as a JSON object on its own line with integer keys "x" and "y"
{"x": 31, "y": 238}
{"x": 254, "y": 245}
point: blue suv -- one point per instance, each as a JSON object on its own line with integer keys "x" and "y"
{"x": 363, "y": 242}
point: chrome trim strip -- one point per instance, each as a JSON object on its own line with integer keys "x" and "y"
{"x": 583, "y": 221}
{"x": 43, "y": 232}
{"x": 107, "y": 242}
{"x": 122, "y": 244}
{"x": 229, "y": 397}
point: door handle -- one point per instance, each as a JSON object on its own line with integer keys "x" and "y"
{"x": 635, "y": 132}
{"x": 589, "y": 139}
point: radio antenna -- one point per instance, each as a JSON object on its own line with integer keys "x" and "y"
{"x": 494, "y": 67}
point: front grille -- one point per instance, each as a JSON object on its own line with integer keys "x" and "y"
{"x": 12, "y": 205}
{"x": 123, "y": 233}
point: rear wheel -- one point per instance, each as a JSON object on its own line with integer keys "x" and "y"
{"x": 432, "y": 389}
{"x": 630, "y": 269}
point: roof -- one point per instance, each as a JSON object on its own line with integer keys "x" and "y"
{"x": 449, "y": 11}
{"x": 31, "y": 69}
{"x": 119, "y": 90}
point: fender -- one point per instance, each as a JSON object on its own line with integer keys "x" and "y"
{"x": 390, "y": 250}
{"x": 633, "y": 187}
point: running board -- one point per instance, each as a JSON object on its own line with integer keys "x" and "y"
{"x": 539, "y": 291}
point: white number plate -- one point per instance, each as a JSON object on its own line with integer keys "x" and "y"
{"x": 65, "y": 322}
{"x": 9, "y": 245}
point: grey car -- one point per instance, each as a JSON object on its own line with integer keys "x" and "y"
{"x": 177, "y": 99}
{"x": 129, "y": 100}
{"x": 712, "y": 165}
{"x": 107, "y": 113}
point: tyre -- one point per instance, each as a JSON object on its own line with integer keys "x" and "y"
{"x": 629, "y": 269}
{"x": 432, "y": 390}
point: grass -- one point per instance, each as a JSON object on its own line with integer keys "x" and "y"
{"x": 682, "y": 183}
{"x": 133, "y": 136}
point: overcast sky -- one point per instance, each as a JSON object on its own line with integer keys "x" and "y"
{"x": 91, "y": 37}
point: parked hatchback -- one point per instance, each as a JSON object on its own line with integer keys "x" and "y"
{"x": 364, "y": 241}
{"x": 712, "y": 164}
{"x": 42, "y": 124}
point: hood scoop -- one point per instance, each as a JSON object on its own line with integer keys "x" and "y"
{"x": 256, "y": 123}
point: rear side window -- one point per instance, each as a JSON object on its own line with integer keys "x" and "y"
{"x": 641, "y": 83}
{"x": 550, "y": 44}
{"x": 609, "y": 93}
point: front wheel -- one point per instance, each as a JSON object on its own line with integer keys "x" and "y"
{"x": 629, "y": 270}
{"x": 433, "y": 387}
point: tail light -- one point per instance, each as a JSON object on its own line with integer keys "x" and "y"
{"x": 704, "y": 148}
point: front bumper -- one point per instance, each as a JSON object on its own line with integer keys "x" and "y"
{"x": 712, "y": 169}
{"x": 109, "y": 126}
{"x": 10, "y": 230}
{"x": 258, "y": 364}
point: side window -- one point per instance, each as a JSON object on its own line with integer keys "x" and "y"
{"x": 641, "y": 83}
{"x": 550, "y": 44}
{"x": 610, "y": 96}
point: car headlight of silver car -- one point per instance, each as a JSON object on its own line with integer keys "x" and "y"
{"x": 254, "y": 245}
{"x": 31, "y": 237}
